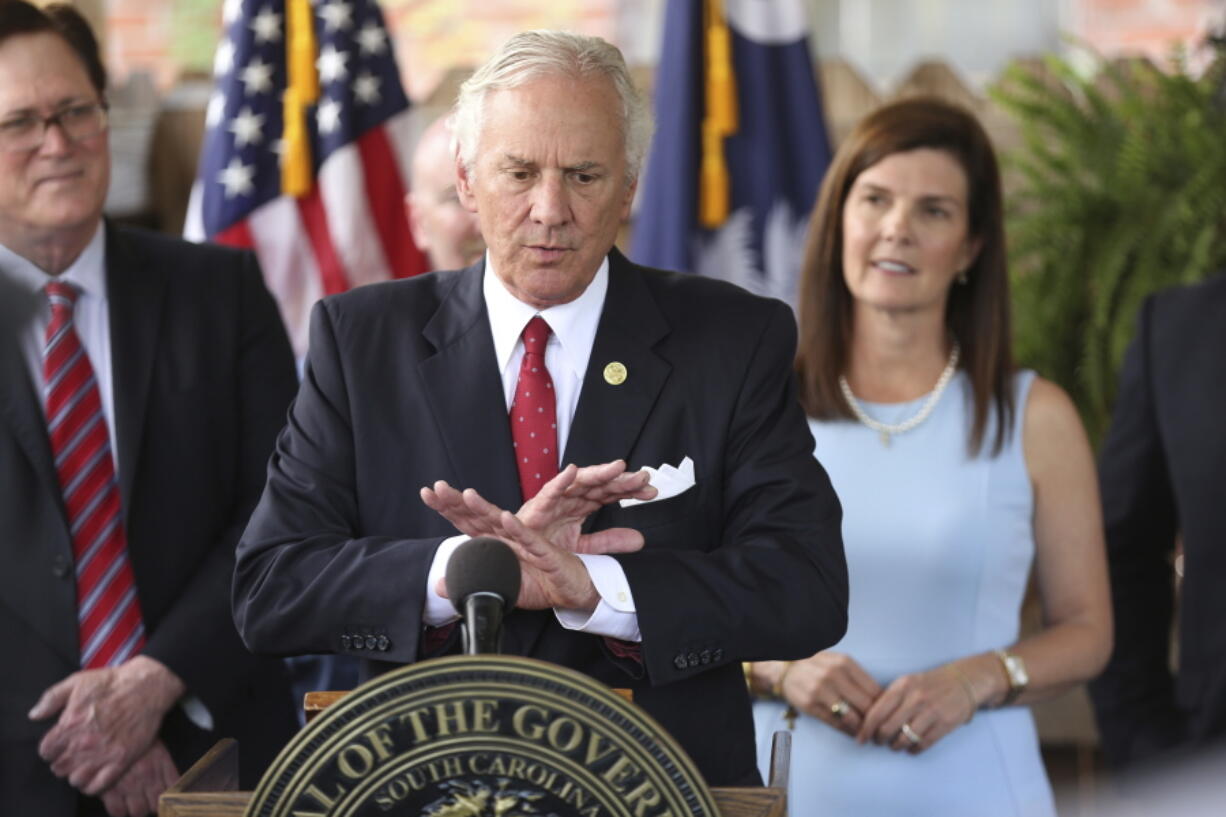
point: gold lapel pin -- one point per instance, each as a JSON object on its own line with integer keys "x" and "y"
{"x": 615, "y": 374}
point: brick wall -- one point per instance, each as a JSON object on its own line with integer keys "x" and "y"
{"x": 1148, "y": 27}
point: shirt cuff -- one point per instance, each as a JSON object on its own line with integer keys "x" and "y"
{"x": 197, "y": 712}
{"x": 615, "y": 615}
{"x": 438, "y": 610}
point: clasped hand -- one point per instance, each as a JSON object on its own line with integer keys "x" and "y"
{"x": 104, "y": 740}
{"x": 931, "y": 704}
{"x": 546, "y": 532}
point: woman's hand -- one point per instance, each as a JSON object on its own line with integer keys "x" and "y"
{"x": 829, "y": 686}
{"x": 917, "y": 710}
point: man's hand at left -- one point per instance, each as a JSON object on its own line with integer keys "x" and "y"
{"x": 136, "y": 793}
{"x": 107, "y": 719}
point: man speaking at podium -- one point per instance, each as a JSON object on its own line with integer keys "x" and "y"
{"x": 476, "y": 379}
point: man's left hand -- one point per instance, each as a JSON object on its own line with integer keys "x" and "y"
{"x": 556, "y": 512}
{"x": 107, "y": 719}
{"x": 546, "y": 532}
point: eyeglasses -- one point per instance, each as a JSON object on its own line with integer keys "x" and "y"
{"x": 78, "y": 123}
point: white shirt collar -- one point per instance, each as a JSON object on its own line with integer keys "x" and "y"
{"x": 88, "y": 271}
{"x": 573, "y": 324}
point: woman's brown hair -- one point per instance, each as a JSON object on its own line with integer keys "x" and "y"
{"x": 977, "y": 313}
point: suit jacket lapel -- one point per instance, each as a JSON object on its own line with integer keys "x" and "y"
{"x": 20, "y": 408}
{"x": 610, "y": 416}
{"x": 26, "y": 579}
{"x": 135, "y": 294}
{"x": 464, "y": 389}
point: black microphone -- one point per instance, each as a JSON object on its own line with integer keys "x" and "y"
{"x": 483, "y": 583}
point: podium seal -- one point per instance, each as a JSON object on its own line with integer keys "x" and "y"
{"x": 482, "y": 736}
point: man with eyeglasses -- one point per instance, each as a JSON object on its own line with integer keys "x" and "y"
{"x": 142, "y": 383}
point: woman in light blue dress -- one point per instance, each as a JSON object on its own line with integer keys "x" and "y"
{"x": 957, "y": 475}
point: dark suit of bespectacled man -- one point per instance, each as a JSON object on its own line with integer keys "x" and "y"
{"x": 412, "y": 389}
{"x": 124, "y": 492}
{"x": 1163, "y": 474}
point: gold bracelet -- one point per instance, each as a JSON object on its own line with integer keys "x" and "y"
{"x": 777, "y": 687}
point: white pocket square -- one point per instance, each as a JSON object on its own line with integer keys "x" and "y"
{"x": 668, "y": 482}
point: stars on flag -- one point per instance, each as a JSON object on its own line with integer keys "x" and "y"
{"x": 223, "y": 60}
{"x": 231, "y": 10}
{"x": 337, "y": 16}
{"x": 256, "y": 77}
{"x": 331, "y": 64}
{"x": 359, "y": 90}
{"x": 216, "y": 110}
{"x": 266, "y": 26}
{"x": 372, "y": 39}
{"x": 247, "y": 128}
{"x": 328, "y": 116}
{"x": 237, "y": 178}
{"x": 366, "y": 88}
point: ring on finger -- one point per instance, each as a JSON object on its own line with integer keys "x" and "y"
{"x": 910, "y": 734}
{"x": 840, "y": 708}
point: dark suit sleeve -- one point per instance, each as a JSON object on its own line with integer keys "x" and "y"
{"x": 210, "y": 658}
{"x": 1134, "y": 699}
{"x": 774, "y": 583}
{"x": 304, "y": 583}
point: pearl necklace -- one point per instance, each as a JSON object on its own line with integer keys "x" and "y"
{"x": 886, "y": 429}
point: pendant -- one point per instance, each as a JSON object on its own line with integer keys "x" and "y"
{"x": 885, "y": 439}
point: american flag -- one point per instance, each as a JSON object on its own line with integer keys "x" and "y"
{"x": 303, "y": 157}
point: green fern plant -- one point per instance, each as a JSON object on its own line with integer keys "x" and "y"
{"x": 1118, "y": 190}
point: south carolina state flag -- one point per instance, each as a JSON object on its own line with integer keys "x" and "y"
{"x": 740, "y": 146}
{"x": 301, "y": 158}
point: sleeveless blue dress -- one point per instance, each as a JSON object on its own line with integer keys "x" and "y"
{"x": 939, "y": 548}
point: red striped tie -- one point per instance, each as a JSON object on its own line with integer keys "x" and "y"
{"x": 108, "y": 613}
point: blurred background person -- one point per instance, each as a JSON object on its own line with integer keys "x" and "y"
{"x": 1163, "y": 468}
{"x": 956, "y": 472}
{"x": 142, "y": 381}
{"x": 449, "y": 234}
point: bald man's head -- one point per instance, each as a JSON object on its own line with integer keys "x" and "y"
{"x": 441, "y": 227}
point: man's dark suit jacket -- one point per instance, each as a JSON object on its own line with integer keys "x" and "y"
{"x": 1163, "y": 472}
{"x": 202, "y": 375}
{"x": 402, "y": 389}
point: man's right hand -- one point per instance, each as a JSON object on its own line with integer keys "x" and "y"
{"x": 136, "y": 792}
{"x": 557, "y": 511}
{"x": 546, "y": 533}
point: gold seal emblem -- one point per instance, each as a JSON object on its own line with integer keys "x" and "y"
{"x": 615, "y": 374}
{"x": 482, "y": 736}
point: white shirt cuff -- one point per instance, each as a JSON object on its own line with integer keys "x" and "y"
{"x": 615, "y": 615}
{"x": 197, "y": 712}
{"x": 438, "y": 610}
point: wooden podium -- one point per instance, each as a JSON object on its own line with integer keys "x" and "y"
{"x": 210, "y": 787}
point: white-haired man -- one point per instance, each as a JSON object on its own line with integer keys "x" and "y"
{"x": 555, "y": 343}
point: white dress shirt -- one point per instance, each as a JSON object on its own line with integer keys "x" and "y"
{"x": 573, "y": 328}
{"x": 91, "y": 318}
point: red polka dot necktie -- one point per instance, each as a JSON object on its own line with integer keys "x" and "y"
{"x": 534, "y": 419}
{"x": 108, "y": 613}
